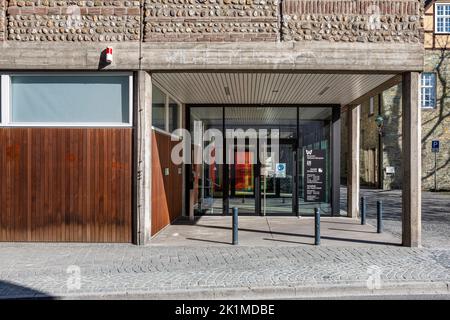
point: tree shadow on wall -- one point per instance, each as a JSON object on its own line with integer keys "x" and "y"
{"x": 443, "y": 111}
{"x": 392, "y": 125}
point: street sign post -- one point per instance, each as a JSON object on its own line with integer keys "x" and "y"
{"x": 435, "y": 145}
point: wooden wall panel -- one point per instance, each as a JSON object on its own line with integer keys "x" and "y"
{"x": 66, "y": 184}
{"x": 166, "y": 189}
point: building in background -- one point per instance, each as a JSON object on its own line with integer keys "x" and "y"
{"x": 384, "y": 169}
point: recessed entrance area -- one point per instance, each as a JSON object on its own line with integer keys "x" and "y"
{"x": 272, "y": 232}
{"x": 241, "y": 176}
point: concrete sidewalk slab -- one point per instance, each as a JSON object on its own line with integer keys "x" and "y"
{"x": 271, "y": 231}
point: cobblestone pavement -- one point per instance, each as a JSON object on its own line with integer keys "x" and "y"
{"x": 435, "y": 214}
{"x": 42, "y": 269}
{"x": 51, "y": 270}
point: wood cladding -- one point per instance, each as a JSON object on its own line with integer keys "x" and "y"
{"x": 66, "y": 184}
{"x": 166, "y": 189}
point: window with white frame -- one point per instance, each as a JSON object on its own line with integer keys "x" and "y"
{"x": 442, "y": 18}
{"x": 165, "y": 111}
{"x": 428, "y": 90}
{"x": 67, "y": 99}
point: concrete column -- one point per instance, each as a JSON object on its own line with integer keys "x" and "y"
{"x": 144, "y": 160}
{"x": 353, "y": 123}
{"x": 336, "y": 161}
{"x": 412, "y": 167}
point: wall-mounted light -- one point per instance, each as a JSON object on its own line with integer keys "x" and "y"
{"x": 379, "y": 120}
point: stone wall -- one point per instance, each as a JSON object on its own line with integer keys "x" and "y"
{"x": 352, "y": 21}
{"x": 2, "y": 19}
{"x": 369, "y": 144}
{"x": 435, "y": 126}
{"x": 391, "y": 110}
{"x": 211, "y": 20}
{"x": 52, "y": 20}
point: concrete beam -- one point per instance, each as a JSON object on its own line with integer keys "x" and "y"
{"x": 311, "y": 56}
{"x": 412, "y": 166}
{"x": 144, "y": 157}
{"x": 353, "y": 141}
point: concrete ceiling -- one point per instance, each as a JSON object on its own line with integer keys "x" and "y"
{"x": 268, "y": 88}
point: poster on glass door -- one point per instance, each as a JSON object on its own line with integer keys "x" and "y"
{"x": 314, "y": 175}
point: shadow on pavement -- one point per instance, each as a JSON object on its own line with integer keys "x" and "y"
{"x": 9, "y": 291}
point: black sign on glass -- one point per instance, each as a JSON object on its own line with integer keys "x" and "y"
{"x": 314, "y": 177}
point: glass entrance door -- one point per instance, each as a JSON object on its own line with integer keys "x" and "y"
{"x": 278, "y": 187}
{"x": 242, "y": 191}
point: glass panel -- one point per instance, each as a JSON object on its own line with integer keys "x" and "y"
{"x": 276, "y": 191}
{"x": 207, "y": 179}
{"x": 277, "y": 188}
{"x": 173, "y": 115}
{"x": 70, "y": 99}
{"x": 158, "y": 108}
{"x": 282, "y": 118}
{"x": 314, "y": 128}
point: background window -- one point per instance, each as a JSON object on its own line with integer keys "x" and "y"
{"x": 173, "y": 115}
{"x": 158, "y": 108}
{"x": 70, "y": 99}
{"x": 428, "y": 90}
{"x": 371, "y": 106}
{"x": 443, "y": 18}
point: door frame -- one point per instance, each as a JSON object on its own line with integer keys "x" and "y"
{"x": 335, "y": 153}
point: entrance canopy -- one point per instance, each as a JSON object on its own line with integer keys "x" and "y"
{"x": 269, "y": 88}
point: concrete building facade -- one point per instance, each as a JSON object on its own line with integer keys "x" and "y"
{"x": 88, "y": 138}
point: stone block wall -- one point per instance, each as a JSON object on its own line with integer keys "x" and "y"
{"x": 391, "y": 110}
{"x": 211, "y": 20}
{"x": 2, "y": 19}
{"x": 83, "y": 20}
{"x": 435, "y": 126}
{"x": 352, "y": 20}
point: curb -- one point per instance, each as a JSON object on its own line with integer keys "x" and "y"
{"x": 320, "y": 291}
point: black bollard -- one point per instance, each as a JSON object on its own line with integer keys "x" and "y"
{"x": 363, "y": 210}
{"x": 316, "y": 226}
{"x": 379, "y": 216}
{"x": 235, "y": 226}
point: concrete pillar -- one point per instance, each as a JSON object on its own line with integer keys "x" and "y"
{"x": 353, "y": 123}
{"x": 336, "y": 161}
{"x": 144, "y": 160}
{"x": 411, "y": 157}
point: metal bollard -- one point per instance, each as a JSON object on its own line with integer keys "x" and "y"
{"x": 363, "y": 210}
{"x": 235, "y": 226}
{"x": 379, "y": 216}
{"x": 316, "y": 226}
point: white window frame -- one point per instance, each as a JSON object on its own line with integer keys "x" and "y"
{"x": 6, "y": 103}
{"x": 433, "y": 87}
{"x": 445, "y": 17}
{"x": 167, "y": 111}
